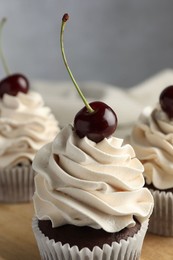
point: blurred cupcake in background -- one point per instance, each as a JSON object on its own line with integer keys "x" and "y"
{"x": 26, "y": 124}
{"x": 152, "y": 140}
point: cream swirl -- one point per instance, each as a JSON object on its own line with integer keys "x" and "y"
{"x": 83, "y": 183}
{"x": 26, "y": 124}
{"x": 152, "y": 139}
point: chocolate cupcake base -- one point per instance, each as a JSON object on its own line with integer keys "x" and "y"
{"x": 16, "y": 184}
{"x": 84, "y": 243}
{"x": 84, "y": 236}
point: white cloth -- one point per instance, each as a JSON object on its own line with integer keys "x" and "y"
{"x": 65, "y": 102}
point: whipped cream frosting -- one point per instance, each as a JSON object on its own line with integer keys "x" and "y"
{"x": 26, "y": 124}
{"x": 84, "y": 183}
{"x": 152, "y": 140}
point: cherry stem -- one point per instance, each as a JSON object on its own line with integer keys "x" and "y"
{"x": 64, "y": 20}
{"x": 6, "y": 69}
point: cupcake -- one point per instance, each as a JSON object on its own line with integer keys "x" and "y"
{"x": 89, "y": 199}
{"x": 152, "y": 140}
{"x": 26, "y": 124}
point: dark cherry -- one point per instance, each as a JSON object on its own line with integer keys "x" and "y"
{"x": 96, "y": 125}
{"x": 96, "y": 120}
{"x": 13, "y": 84}
{"x": 166, "y": 101}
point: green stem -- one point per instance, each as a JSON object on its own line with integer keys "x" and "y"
{"x": 64, "y": 19}
{"x": 6, "y": 69}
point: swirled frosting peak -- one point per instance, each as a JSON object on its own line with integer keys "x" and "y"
{"x": 152, "y": 139}
{"x": 26, "y": 124}
{"x": 81, "y": 182}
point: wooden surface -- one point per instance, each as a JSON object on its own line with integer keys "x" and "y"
{"x": 17, "y": 241}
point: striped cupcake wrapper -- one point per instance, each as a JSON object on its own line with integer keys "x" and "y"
{"x": 161, "y": 220}
{"x": 17, "y": 184}
{"x": 129, "y": 249}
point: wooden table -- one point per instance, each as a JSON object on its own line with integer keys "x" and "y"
{"x": 17, "y": 241}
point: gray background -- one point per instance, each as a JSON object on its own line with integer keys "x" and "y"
{"x": 121, "y": 42}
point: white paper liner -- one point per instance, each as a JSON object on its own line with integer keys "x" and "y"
{"x": 17, "y": 184}
{"x": 129, "y": 249}
{"x": 161, "y": 220}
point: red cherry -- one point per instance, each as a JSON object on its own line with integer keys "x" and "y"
{"x": 166, "y": 101}
{"x": 13, "y": 84}
{"x": 96, "y": 125}
{"x": 96, "y": 120}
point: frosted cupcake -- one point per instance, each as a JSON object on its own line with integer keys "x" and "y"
{"x": 152, "y": 140}
{"x": 89, "y": 199}
{"x": 26, "y": 124}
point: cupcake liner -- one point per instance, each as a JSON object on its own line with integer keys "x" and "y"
{"x": 161, "y": 220}
{"x": 129, "y": 249}
{"x": 17, "y": 184}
